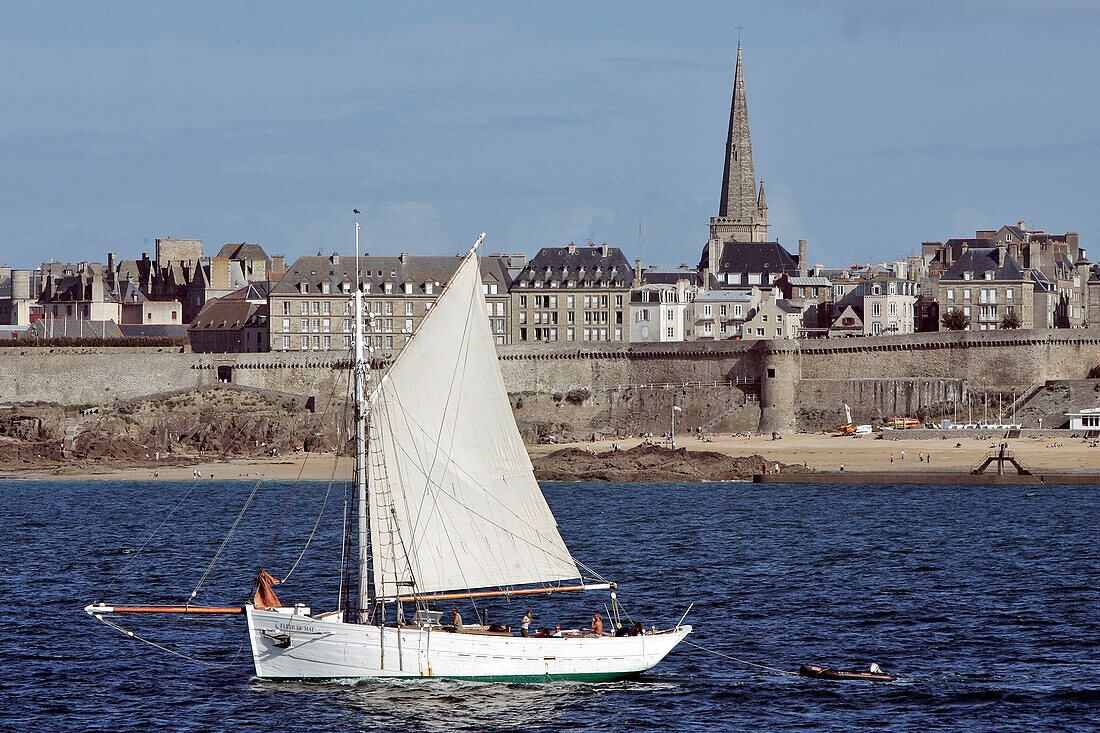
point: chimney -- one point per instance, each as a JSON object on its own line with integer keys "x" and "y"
{"x": 335, "y": 259}
{"x": 803, "y": 265}
{"x": 1022, "y": 224}
{"x": 638, "y": 271}
{"x": 603, "y": 250}
{"x": 111, "y": 263}
{"x": 278, "y": 263}
{"x": 97, "y": 288}
{"x": 572, "y": 248}
{"x": 404, "y": 257}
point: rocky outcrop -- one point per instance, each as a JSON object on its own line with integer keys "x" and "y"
{"x": 647, "y": 463}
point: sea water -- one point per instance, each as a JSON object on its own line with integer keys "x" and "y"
{"x": 984, "y": 600}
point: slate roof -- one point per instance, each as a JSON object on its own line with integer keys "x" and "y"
{"x": 670, "y": 276}
{"x": 229, "y": 315}
{"x": 787, "y": 306}
{"x": 257, "y": 290}
{"x": 723, "y": 296}
{"x": 982, "y": 260}
{"x": 764, "y": 257}
{"x": 810, "y": 282}
{"x": 588, "y": 267}
{"x": 243, "y": 251}
{"x": 378, "y": 270}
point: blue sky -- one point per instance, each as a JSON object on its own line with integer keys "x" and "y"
{"x": 876, "y": 125}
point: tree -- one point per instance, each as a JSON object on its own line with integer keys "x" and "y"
{"x": 955, "y": 320}
{"x": 1011, "y": 320}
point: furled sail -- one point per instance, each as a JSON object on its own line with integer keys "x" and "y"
{"x": 453, "y": 499}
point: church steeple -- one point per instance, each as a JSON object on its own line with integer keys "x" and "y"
{"x": 742, "y": 215}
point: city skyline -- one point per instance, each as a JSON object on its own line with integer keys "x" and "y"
{"x": 875, "y": 126}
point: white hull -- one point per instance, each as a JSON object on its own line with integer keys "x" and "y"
{"x": 287, "y": 645}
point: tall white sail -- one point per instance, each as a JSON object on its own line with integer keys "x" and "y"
{"x": 453, "y": 499}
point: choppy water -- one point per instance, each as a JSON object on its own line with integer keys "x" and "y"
{"x": 984, "y": 599}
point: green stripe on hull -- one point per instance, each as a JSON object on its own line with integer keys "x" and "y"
{"x": 578, "y": 677}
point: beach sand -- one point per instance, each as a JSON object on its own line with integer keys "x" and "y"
{"x": 818, "y": 451}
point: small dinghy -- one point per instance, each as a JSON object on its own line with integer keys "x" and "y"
{"x": 874, "y": 674}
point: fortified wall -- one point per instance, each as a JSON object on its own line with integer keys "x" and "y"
{"x": 782, "y": 385}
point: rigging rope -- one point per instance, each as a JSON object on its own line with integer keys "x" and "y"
{"x": 162, "y": 647}
{"x": 740, "y": 661}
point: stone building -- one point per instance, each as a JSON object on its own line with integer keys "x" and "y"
{"x": 1055, "y": 263}
{"x": 721, "y": 314}
{"x": 772, "y": 317}
{"x": 813, "y": 295}
{"x": 235, "y": 323}
{"x": 987, "y": 284}
{"x": 573, "y": 294}
{"x": 19, "y": 291}
{"x": 311, "y": 306}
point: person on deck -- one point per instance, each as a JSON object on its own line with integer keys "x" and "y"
{"x": 525, "y": 623}
{"x": 456, "y": 619}
{"x": 597, "y": 625}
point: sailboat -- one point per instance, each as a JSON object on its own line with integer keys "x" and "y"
{"x": 447, "y": 509}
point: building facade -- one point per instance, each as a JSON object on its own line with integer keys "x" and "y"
{"x": 311, "y": 306}
{"x": 573, "y": 294}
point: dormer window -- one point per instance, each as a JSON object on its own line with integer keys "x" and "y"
{"x": 968, "y": 275}
{"x": 408, "y": 288}
{"x": 989, "y": 275}
{"x": 325, "y": 288}
{"x": 345, "y": 287}
{"x": 428, "y": 288}
{"x": 388, "y": 287}
{"x": 303, "y": 286}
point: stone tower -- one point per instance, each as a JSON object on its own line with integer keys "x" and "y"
{"x": 742, "y": 212}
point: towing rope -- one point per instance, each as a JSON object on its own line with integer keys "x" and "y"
{"x": 740, "y": 661}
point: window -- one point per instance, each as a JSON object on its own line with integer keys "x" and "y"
{"x": 389, "y": 324}
{"x": 951, "y": 293}
{"x": 305, "y": 343}
{"x": 388, "y": 288}
{"x": 618, "y": 301}
{"x": 523, "y": 301}
{"x": 389, "y": 342}
{"x": 779, "y": 332}
{"x": 408, "y": 308}
{"x": 326, "y": 325}
{"x": 706, "y": 311}
{"x": 876, "y": 309}
{"x": 305, "y": 324}
{"x": 326, "y": 308}
{"x": 671, "y": 332}
{"x": 1008, "y": 294}
{"x": 327, "y": 344}
{"x": 569, "y": 334}
{"x": 764, "y": 317}
{"x": 408, "y": 325}
{"x": 989, "y": 274}
{"x": 893, "y": 309}
{"x": 966, "y": 293}
{"x": 325, "y": 288}
{"x": 968, "y": 275}
{"x": 303, "y": 308}
{"x": 760, "y": 332}
{"x": 286, "y": 307}
{"x": 316, "y": 307}
{"x": 737, "y": 311}
{"x": 500, "y": 308}
{"x": 286, "y": 324}
{"x": 286, "y": 343}
{"x": 389, "y": 307}
{"x": 754, "y": 279}
{"x": 428, "y": 288}
{"x": 347, "y": 342}
{"x": 568, "y": 301}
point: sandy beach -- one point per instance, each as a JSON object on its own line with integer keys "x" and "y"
{"x": 820, "y": 452}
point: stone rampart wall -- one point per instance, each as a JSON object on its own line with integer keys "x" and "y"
{"x": 918, "y": 369}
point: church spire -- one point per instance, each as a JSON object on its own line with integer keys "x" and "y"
{"x": 739, "y": 180}
{"x": 740, "y": 213}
